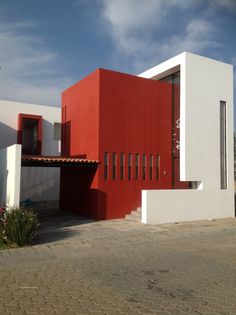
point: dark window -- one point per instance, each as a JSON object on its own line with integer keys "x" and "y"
{"x": 136, "y": 165}
{"x": 173, "y": 78}
{"x": 106, "y": 164}
{"x": 122, "y": 164}
{"x": 30, "y": 136}
{"x": 129, "y": 165}
{"x": 150, "y": 166}
{"x": 144, "y": 166}
{"x": 114, "y": 157}
{"x": 157, "y": 166}
{"x": 29, "y": 133}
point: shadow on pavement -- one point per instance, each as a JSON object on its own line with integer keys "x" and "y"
{"x": 55, "y": 224}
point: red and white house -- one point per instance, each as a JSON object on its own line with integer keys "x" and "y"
{"x": 162, "y": 140}
{"x": 127, "y": 123}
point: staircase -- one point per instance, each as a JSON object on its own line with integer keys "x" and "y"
{"x": 135, "y": 215}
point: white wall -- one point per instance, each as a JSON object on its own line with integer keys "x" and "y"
{"x": 40, "y": 183}
{"x": 37, "y": 184}
{"x": 10, "y": 172}
{"x": 9, "y": 119}
{"x": 204, "y": 83}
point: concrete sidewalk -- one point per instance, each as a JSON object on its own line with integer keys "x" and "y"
{"x": 122, "y": 267}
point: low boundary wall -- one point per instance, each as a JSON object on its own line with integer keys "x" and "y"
{"x": 10, "y": 173}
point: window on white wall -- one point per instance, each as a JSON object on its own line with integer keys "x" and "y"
{"x": 57, "y": 131}
{"x": 223, "y": 155}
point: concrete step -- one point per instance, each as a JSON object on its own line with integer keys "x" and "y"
{"x": 135, "y": 215}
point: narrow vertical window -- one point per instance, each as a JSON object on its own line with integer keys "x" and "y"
{"x": 144, "y": 166}
{"x": 114, "y": 162}
{"x": 150, "y": 166}
{"x": 29, "y": 136}
{"x": 157, "y": 166}
{"x": 57, "y": 131}
{"x": 29, "y": 133}
{"x": 129, "y": 165}
{"x": 223, "y": 156}
{"x": 136, "y": 165}
{"x": 122, "y": 164}
{"x": 106, "y": 164}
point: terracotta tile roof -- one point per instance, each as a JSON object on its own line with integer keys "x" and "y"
{"x": 56, "y": 159}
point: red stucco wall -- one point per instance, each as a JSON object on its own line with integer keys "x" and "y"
{"x": 115, "y": 112}
{"x": 135, "y": 117}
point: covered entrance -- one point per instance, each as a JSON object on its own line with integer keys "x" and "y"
{"x": 77, "y": 173}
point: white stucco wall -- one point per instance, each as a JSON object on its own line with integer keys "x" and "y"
{"x": 37, "y": 184}
{"x": 204, "y": 83}
{"x": 10, "y": 173}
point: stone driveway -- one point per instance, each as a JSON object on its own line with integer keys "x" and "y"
{"x": 121, "y": 267}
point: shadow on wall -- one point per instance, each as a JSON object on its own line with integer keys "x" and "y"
{"x": 8, "y": 136}
{"x": 65, "y": 138}
{"x": 97, "y": 204}
{"x": 40, "y": 183}
{"x": 76, "y": 194}
{"x": 3, "y": 177}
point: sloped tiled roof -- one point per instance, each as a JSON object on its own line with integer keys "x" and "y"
{"x": 56, "y": 160}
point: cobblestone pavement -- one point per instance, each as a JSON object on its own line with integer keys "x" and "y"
{"x": 122, "y": 267}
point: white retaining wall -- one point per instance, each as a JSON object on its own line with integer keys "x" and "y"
{"x": 204, "y": 83}
{"x": 10, "y": 172}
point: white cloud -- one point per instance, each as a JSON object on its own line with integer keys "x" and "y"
{"x": 128, "y": 15}
{"x": 198, "y": 36}
{"x": 27, "y": 67}
{"x": 132, "y": 22}
{"x": 136, "y": 27}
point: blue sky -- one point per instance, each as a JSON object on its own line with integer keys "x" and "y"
{"x": 47, "y": 45}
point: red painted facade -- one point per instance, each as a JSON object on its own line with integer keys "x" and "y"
{"x": 122, "y": 116}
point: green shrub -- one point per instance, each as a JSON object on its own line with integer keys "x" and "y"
{"x": 2, "y": 244}
{"x": 2, "y": 230}
{"x": 19, "y": 226}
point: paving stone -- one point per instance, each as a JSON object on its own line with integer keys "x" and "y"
{"x": 124, "y": 267}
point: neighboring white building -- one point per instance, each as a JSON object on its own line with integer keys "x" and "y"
{"x": 206, "y": 143}
{"x": 37, "y": 128}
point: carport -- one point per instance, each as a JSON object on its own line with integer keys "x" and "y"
{"x": 76, "y": 172}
